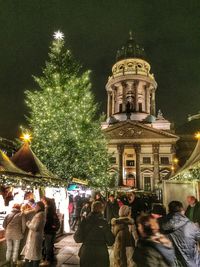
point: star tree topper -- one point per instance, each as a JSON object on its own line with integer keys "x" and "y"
{"x": 58, "y": 35}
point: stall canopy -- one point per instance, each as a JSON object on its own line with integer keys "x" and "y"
{"x": 191, "y": 169}
{"x": 25, "y": 168}
{"x": 26, "y": 160}
{"x": 6, "y": 165}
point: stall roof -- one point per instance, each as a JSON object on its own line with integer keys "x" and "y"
{"x": 6, "y": 165}
{"x": 26, "y": 160}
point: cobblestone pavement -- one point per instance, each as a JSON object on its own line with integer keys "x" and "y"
{"x": 67, "y": 252}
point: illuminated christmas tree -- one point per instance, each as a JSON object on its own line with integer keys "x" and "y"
{"x": 66, "y": 136}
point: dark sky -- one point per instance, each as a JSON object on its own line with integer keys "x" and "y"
{"x": 169, "y": 31}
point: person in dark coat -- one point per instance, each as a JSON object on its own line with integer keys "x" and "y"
{"x": 184, "y": 235}
{"x": 112, "y": 209}
{"x": 153, "y": 249}
{"x": 95, "y": 234}
{"x": 52, "y": 225}
{"x": 193, "y": 210}
{"x": 136, "y": 204}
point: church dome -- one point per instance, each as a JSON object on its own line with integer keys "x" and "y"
{"x": 130, "y": 50}
{"x": 150, "y": 119}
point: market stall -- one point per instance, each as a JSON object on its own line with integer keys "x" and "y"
{"x": 186, "y": 181}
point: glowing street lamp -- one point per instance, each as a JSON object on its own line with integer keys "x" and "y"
{"x": 197, "y": 135}
{"x": 175, "y": 160}
{"x": 26, "y": 137}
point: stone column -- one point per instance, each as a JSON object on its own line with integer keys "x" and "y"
{"x": 147, "y": 100}
{"x": 136, "y": 95}
{"x": 153, "y": 103}
{"x": 156, "y": 173}
{"x": 113, "y": 102}
{"x": 108, "y": 104}
{"x": 120, "y": 149}
{"x": 137, "y": 148}
{"x": 123, "y": 97}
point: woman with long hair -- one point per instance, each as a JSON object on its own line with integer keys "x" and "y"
{"x": 33, "y": 249}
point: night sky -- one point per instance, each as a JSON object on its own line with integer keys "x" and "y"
{"x": 169, "y": 31}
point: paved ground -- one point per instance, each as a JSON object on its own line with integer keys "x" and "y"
{"x": 67, "y": 252}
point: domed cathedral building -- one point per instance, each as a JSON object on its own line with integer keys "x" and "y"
{"x": 141, "y": 141}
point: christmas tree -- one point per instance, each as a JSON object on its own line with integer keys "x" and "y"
{"x": 66, "y": 135}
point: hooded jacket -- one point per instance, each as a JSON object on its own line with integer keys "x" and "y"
{"x": 184, "y": 235}
{"x": 123, "y": 239}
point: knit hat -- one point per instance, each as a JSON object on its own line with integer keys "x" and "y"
{"x": 124, "y": 211}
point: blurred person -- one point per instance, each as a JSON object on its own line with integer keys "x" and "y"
{"x": 99, "y": 197}
{"x": 158, "y": 212}
{"x": 193, "y": 210}
{"x": 76, "y": 213}
{"x": 52, "y": 225}
{"x": 71, "y": 209}
{"x": 14, "y": 225}
{"x": 111, "y": 209}
{"x": 28, "y": 210}
{"x": 125, "y": 234}
{"x": 33, "y": 248}
{"x": 136, "y": 204}
{"x": 153, "y": 249}
{"x": 95, "y": 234}
{"x": 86, "y": 209}
{"x": 184, "y": 235}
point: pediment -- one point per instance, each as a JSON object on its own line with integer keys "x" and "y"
{"x": 135, "y": 130}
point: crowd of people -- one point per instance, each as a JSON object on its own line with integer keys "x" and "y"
{"x": 139, "y": 236}
{"x": 30, "y": 232}
{"x": 137, "y": 231}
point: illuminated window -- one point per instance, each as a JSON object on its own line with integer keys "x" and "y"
{"x": 147, "y": 183}
{"x": 130, "y": 163}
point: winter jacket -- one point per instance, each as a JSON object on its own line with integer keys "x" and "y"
{"x": 111, "y": 210}
{"x": 95, "y": 234}
{"x": 52, "y": 222}
{"x": 33, "y": 248}
{"x": 196, "y": 214}
{"x": 152, "y": 254}
{"x": 184, "y": 235}
{"x": 14, "y": 224}
{"x": 123, "y": 239}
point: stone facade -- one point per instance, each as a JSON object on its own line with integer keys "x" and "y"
{"x": 141, "y": 144}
